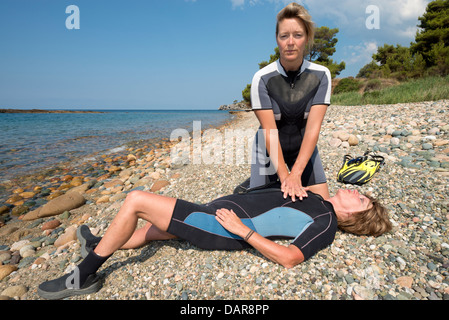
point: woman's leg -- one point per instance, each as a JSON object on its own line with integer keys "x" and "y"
{"x": 145, "y": 235}
{"x": 153, "y": 208}
{"x": 157, "y": 210}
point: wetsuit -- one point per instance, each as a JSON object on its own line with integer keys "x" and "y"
{"x": 311, "y": 223}
{"x": 291, "y": 96}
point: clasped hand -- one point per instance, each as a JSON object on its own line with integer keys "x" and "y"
{"x": 292, "y": 186}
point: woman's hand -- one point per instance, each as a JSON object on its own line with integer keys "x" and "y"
{"x": 286, "y": 256}
{"x": 231, "y": 222}
{"x": 292, "y": 186}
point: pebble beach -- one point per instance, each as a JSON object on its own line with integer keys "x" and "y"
{"x": 40, "y": 215}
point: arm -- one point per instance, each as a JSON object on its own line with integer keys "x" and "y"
{"x": 311, "y": 135}
{"x": 266, "y": 119}
{"x": 286, "y": 256}
{"x": 292, "y": 185}
{"x": 317, "y": 112}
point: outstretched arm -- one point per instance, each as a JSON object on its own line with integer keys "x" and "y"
{"x": 285, "y": 256}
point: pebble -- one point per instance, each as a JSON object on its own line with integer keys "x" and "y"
{"x": 6, "y": 270}
{"x": 411, "y": 262}
{"x": 15, "y": 291}
{"x": 52, "y": 224}
{"x": 68, "y": 236}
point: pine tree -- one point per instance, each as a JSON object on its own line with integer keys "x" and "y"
{"x": 432, "y": 40}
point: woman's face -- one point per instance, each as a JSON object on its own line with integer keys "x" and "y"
{"x": 352, "y": 201}
{"x": 292, "y": 41}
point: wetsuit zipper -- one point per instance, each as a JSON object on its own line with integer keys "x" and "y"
{"x": 292, "y": 77}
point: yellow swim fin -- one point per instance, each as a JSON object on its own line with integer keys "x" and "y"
{"x": 359, "y": 170}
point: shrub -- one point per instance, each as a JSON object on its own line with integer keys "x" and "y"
{"x": 373, "y": 84}
{"x": 347, "y": 85}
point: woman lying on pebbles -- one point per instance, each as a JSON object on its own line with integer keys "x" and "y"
{"x": 232, "y": 222}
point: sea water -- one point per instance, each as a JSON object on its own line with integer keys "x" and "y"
{"x": 30, "y": 142}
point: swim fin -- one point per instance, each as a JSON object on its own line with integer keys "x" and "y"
{"x": 359, "y": 170}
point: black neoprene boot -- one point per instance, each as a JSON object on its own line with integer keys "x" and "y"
{"x": 82, "y": 280}
{"x": 87, "y": 239}
{"x": 65, "y": 286}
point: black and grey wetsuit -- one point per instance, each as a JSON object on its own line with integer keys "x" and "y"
{"x": 291, "y": 97}
{"x": 311, "y": 223}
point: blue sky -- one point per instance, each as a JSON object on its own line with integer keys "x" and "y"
{"x": 167, "y": 54}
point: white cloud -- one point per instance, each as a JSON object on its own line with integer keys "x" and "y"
{"x": 277, "y": 3}
{"x": 397, "y": 17}
{"x": 237, "y": 3}
{"x": 409, "y": 33}
{"x": 409, "y": 9}
{"x": 361, "y": 53}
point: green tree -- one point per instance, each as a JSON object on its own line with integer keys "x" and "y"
{"x": 370, "y": 70}
{"x": 432, "y": 39}
{"x": 324, "y": 44}
{"x": 440, "y": 59}
{"x": 246, "y": 94}
{"x": 394, "y": 62}
{"x": 324, "y": 47}
{"x": 434, "y": 30}
{"x": 334, "y": 67}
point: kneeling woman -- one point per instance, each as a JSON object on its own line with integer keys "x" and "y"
{"x": 232, "y": 222}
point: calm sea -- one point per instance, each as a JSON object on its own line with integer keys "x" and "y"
{"x": 30, "y": 142}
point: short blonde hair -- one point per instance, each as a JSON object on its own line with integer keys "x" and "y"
{"x": 371, "y": 222}
{"x": 294, "y": 10}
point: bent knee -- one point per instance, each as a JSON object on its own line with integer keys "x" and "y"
{"x": 136, "y": 196}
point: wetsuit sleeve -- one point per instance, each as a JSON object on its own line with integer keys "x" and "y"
{"x": 317, "y": 236}
{"x": 259, "y": 94}
{"x": 323, "y": 94}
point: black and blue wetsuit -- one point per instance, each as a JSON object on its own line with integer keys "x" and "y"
{"x": 311, "y": 223}
{"x": 290, "y": 95}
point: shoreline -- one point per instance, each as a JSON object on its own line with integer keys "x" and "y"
{"x": 44, "y": 184}
{"x": 118, "y": 154}
{"x": 117, "y": 150}
{"x": 45, "y": 111}
{"x": 412, "y": 262}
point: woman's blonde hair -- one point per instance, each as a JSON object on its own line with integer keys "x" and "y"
{"x": 294, "y": 10}
{"x": 372, "y": 222}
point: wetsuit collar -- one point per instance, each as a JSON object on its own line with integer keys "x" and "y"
{"x": 305, "y": 64}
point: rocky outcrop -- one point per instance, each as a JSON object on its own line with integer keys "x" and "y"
{"x": 239, "y": 106}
